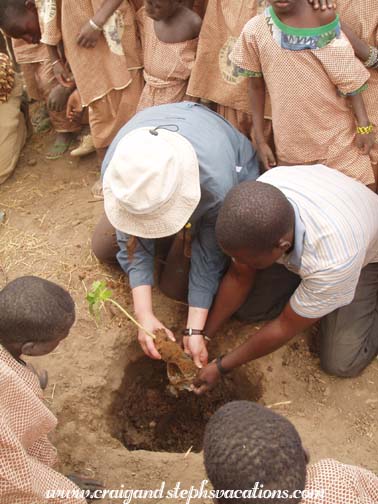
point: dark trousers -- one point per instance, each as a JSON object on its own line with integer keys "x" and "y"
{"x": 348, "y": 336}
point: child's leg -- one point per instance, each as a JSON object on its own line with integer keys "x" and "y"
{"x": 65, "y": 128}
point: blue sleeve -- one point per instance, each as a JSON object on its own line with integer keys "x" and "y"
{"x": 140, "y": 268}
{"x": 208, "y": 264}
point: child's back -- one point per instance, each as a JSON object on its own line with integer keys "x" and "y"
{"x": 306, "y": 71}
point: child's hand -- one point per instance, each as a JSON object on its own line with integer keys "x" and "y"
{"x": 88, "y": 36}
{"x": 62, "y": 75}
{"x": 323, "y": 4}
{"x": 58, "y": 98}
{"x": 365, "y": 142}
{"x": 266, "y": 155}
{"x": 74, "y": 106}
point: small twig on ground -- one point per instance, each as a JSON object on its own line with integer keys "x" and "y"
{"x": 283, "y": 403}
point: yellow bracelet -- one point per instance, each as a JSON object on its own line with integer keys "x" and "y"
{"x": 365, "y": 130}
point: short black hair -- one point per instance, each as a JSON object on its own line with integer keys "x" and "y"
{"x": 254, "y": 216}
{"x": 36, "y": 310}
{"x": 245, "y": 444}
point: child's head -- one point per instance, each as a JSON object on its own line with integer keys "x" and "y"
{"x": 19, "y": 20}
{"x": 284, "y": 6}
{"x": 35, "y": 315}
{"x": 255, "y": 225}
{"x": 160, "y": 10}
{"x": 246, "y": 444}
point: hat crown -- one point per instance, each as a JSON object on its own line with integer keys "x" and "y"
{"x": 143, "y": 173}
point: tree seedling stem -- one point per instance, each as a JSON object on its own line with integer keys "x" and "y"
{"x": 100, "y": 294}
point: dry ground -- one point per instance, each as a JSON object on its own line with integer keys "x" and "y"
{"x": 50, "y": 218}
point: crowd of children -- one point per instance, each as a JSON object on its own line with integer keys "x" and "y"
{"x": 299, "y": 80}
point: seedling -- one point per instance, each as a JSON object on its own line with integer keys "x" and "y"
{"x": 99, "y": 295}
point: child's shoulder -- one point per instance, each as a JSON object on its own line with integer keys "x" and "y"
{"x": 255, "y": 24}
{"x": 192, "y": 23}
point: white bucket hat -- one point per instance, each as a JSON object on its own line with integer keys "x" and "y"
{"x": 152, "y": 184}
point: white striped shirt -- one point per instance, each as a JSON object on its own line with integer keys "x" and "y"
{"x": 336, "y": 235}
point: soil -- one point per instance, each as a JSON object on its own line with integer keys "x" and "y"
{"x": 97, "y": 372}
{"x": 148, "y": 415}
{"x": 181, "y": 370}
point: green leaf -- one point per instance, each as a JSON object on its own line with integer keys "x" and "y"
{"x": 98, "y": 294}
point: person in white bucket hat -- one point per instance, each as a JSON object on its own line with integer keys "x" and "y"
{"x": 169, "y": 169}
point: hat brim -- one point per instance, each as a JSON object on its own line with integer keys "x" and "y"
{"x": 175, "y": 214}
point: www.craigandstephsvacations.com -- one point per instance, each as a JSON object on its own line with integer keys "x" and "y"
{"x": 129, "y": 495}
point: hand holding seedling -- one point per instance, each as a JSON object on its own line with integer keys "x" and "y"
{"x": 100, "y": 294}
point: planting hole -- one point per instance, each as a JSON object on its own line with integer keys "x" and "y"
{"x": 146, "y": 415}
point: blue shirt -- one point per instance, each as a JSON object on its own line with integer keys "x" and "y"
{"x": 225, "y": 158}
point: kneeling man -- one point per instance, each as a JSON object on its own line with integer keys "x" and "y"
{"x": 321, "y": 225}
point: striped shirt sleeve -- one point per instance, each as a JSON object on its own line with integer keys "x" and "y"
{"x": 327, "y": 290}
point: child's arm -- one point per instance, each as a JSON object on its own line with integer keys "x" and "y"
{"x": 61, "y": 72}
{"x": 257, "y": 100}
{"x": 361, "y": 48}
{"x": 92, "y": 30}
{"x": 365, "y": 136}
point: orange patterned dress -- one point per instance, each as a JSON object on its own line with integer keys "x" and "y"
{"x": 308, "y": 76}
{"x": 340, "y": 484}
{"x": 167, "y": 67}
{"x": 108, "y": 76}
{"x": 362, "y": 17}
{"x": 214, "y": 77}
{"x": 27, "y": 456}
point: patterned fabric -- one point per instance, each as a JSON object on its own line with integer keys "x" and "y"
{"x": 336, "y": 235}
{"x": 223, "y": 22}
{"x": 167, "y": 67}
{"x": 299, "y": 39}
{"x": 6, "y": 77}
{"x": 342, "y": 484}
{"x": 312, "y": 123}
{"x": 108, "y": 114}
{"x": 106, "y": 67}
{"x": 26, "y": 453}
{"x": 362, "y": 17}
{"x": 12, "y": 131}
{"x": 29, "y": 53}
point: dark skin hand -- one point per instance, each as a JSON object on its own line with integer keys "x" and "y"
{"x": 58, "y": 98}
{"x": 269, "y": 338}
{"x": 323, "y": 4}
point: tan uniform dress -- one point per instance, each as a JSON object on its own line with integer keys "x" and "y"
{"x": 362, "y": 17}
{"x": 312, "y": 122}
{"x": 26, "y": 452}
{"x": 167, "y": 67}
{"x": 12, "y": 121}
{"x": 108, "y": 77}
{"x": 341, "y": 484}
{"x": 214, "y": 77}
{"x": 40, "y": 80}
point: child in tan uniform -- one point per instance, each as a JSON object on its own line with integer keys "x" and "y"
{"x": 256, "y": 455}
{"x": 42, "y": 85}
{"x": 309, "y": 69}
{"x": 170, "y": 38}
{"x": 359, "y": 21}
{"x": 214, "y": 78}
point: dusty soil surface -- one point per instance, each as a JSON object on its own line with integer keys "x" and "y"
{"x": 101, "y": 390}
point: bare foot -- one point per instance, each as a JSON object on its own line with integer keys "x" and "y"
{"x": 61, "y": 145}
